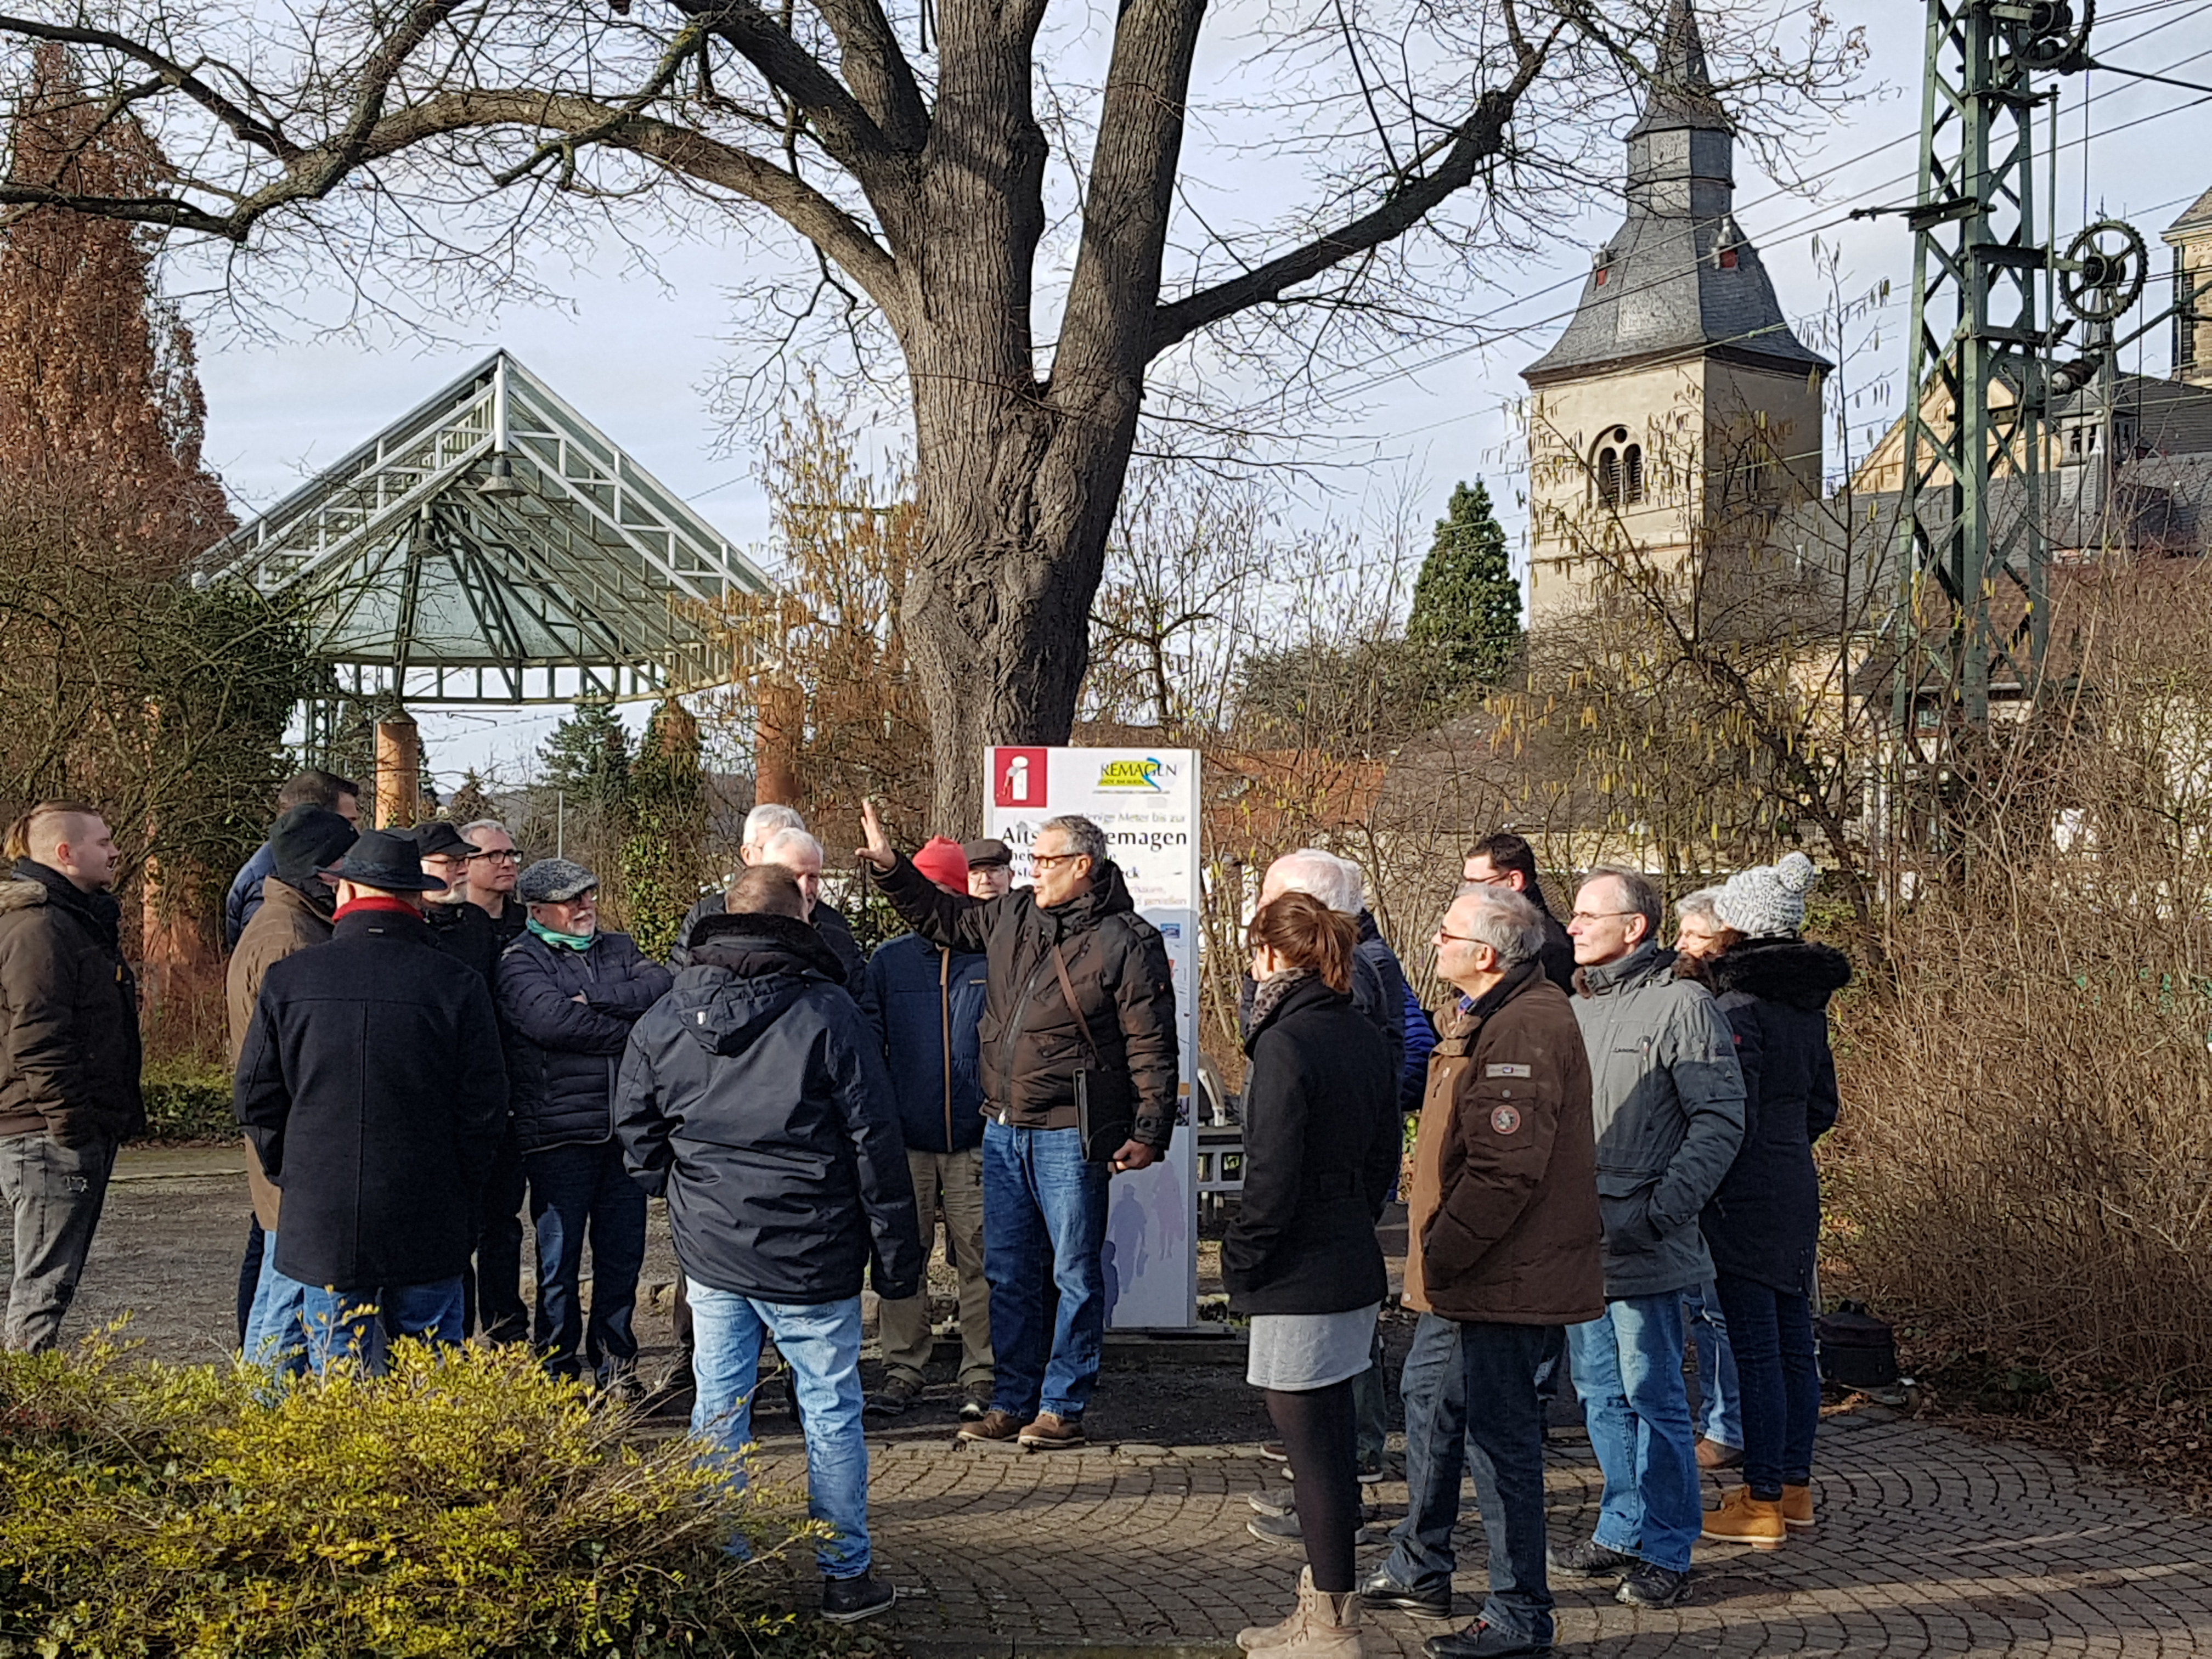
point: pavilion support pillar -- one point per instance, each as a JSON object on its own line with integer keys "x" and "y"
{"x": 398, "y": 771}
{"x": 780, "y": 730}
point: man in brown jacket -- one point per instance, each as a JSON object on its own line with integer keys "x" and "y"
{"x": 297, "y": 901}
{"x": 1506, "y": 1239}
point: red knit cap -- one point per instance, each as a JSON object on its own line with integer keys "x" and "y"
{"x": 940, "y": 858}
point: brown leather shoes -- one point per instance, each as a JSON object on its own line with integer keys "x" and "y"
{"x": 1718, "y": 1454}
{"x": 1053, "y": 1433}
{"x": 993, "y": 1424}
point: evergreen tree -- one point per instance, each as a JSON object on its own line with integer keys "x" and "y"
{"x": 588, "y": 758}
{"x": 472, "y": 800}
{"x": 1466, "y": 606}
{"x": 664, "y": 856}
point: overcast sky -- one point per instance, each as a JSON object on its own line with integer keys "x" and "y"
{"x": 637, "y": 357}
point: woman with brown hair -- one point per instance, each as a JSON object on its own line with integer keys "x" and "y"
{"x": 1321, "y": 1149}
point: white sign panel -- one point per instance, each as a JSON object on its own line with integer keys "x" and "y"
{"x": 1147, "y": 800}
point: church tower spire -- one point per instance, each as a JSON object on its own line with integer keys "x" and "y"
{"x": 1677, "y": 349}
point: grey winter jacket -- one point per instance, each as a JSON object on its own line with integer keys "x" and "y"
{"x": 1667, "y": 1099}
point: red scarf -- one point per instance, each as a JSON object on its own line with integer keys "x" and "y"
{"x": 368, "y": 902}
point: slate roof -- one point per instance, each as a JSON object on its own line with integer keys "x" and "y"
{"x": 2199, "y": 212}
{"x": 1659, "y": 287}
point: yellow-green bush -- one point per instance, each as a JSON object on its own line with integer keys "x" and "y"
{"x": 188, "y": 1102}
{"x": 463, "y": 1504}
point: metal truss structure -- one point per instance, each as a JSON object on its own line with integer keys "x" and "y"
{"x": 1974, "y": 615}
{"x": 493, "y": 547}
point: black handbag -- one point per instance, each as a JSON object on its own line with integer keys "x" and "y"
{"x": 1100, "y": 1136}
{"x": 1858, "y": 1350}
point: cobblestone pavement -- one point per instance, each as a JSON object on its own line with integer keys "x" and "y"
{"x": 1930, "y": 1543}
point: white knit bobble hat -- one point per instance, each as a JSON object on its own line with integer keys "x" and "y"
{"x": 1768, "y": 900}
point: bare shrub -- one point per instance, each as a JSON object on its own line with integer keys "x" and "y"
{"x": 2023, "y": 1157}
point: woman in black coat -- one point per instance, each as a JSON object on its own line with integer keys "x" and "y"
{"x": 1320, "y": 1150}
{"x": 1764, "y": 1222}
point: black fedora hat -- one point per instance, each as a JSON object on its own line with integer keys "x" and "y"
{"x": 389, "y": 860}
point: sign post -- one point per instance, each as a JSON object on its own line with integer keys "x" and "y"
{"x": 1147, "y": 800}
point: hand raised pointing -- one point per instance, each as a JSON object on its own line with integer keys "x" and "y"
{"x": 879, "y": 851}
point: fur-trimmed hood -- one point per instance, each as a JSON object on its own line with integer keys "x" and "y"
{"x": 1792, "y": 971}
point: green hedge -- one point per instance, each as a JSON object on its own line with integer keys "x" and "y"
{"x": 188, "y": 1103}
{"x": 465, "y": 1505}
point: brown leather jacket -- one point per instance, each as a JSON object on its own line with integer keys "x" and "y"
{"x": 1505, "y": 1214}
{"x": 284, "y": 924}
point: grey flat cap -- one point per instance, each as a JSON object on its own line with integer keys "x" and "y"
{"x": 554, "y": 881}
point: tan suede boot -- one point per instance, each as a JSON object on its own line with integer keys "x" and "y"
{"x": 1743, "y": 1519}
{"x": 1332, "y": 1631}
{"x": 1797, "y": 1508}
{"x": 1267, "y": 1638}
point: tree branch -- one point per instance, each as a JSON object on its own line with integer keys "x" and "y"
{"x": 248, "y": 129}
{"x": 847, "y": 131}
{"x": 877, "y": 69}
{"x": 1476, "y": 140}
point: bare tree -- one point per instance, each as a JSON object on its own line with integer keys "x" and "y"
{"x": 1406, "y": 140}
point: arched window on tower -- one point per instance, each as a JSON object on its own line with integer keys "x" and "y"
{"x": 1631, "y": 473}
{"x": 1608, "y": 476}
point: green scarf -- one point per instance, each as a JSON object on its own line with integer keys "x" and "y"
{"x": 572, "y": 941}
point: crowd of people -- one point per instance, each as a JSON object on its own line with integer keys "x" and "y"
{"x": 432, "y": 1038}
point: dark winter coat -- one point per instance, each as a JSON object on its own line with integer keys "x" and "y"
{"x": 1032, "y": 1047}
{"x": 1556, "y": 954}
{"x": 372, "y": 1088}
{"x": 287, "y": 921}
{"x": 930, "y": 1001}
{"x": 1420, "y": 1044}
{"x": 465, "y": 934}
{"x": 70, "y": 1066}
{"x": 754, "y": 1096}
{"x": 828, "y": 920}
{"x": 245, "y": 896}
{"x": 1378, "y": 991}
{"x": 1320, "y": 1152}
{"x": 1667, "y": 1097}
{"x": 1503, "y": 1217}
{"x": 1764, "y": 1221}
{"x": 563, "y": 1054}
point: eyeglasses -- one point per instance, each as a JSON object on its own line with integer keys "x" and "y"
{"x": 1600, "y": 916}
{"x": 508, "y": 856}
{"x": 1458, "y": 938}
{"x": 1495, "y": 878}
{"x": 1039, "y": 861}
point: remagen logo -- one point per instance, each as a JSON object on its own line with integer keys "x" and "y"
{"x": 1018, "y": 777}
{"x": 1130, "y": 775}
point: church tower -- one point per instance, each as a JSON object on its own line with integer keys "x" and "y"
{"x": 1678, "y": 414}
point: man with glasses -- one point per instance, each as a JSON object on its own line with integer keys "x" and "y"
{"x": 1504, "y": 1235}
{"x": 490, "y": 878}
{"x": 1506, "y": 861}
{"x": 1078, "y": 1008}
{"x": 1668, "y": 1100}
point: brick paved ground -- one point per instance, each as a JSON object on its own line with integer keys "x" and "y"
{"x": 1931, "y": 1543}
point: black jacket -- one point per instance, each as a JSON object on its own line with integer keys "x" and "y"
{"x": 465, "y": 934}
{"x": 1032, "y": 1046}
{"x": 828, "y": 921}
{"x": 68, "y": 1013}
{"x": 563, "y": 1054}
{"x": 1764, "y": 1221}
{"x": 1321, "y": 1153}
{"x": 930, "y": 1003}
{"x": 1379, "y": 987}
{"x": 754, "y": 1096}
{"x": 372, "y": 1089}
{"x": 1557, "y": 955}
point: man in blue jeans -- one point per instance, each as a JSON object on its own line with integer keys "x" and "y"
{"x": 1667, "y": 1096}
{"x": 1504, "y": 1235}
{"x": 1078, "y": 1006}
{"x": 754, "y": 1095}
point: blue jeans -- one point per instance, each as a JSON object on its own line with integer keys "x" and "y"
{"x": 1039, "y": 1192}
{"x": 1471, "y": 1405}
{"x": 574, "y": 1190}
{"x": 1628, "y": 1370}
{"x": 356, "y": 1324}
{"x": 1719, "y": 1406}
{"x": 1780, "y": 1381}
{"x": 274, "y": 1334}
{"x": 821, "y": 1343}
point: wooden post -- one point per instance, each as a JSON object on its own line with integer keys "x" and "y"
{"x": 398, "y": 772}
{"x": 779, "y": 732}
